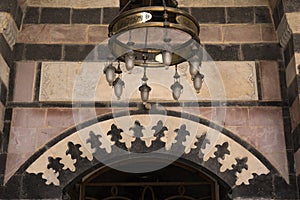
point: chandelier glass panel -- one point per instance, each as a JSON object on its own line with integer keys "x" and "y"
{"x": 153, "y": 34}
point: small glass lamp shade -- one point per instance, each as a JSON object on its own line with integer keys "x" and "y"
{"x": 198, "y": 81}
{"x": 129, "y": 60}
{"x": 167, "y": 58}
{"x": 194, "y": 63}
{"x": 110, "y": 72}
{"x": 118, "y": 87}
{"x": 176, "y": 90}
{"x": 145, "y": 90}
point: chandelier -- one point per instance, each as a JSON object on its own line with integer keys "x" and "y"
{"x": 153, "y": 34}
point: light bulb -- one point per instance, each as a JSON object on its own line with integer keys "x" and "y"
{"x": 176, "y": 90}
{"x": 129, "y": 61}
{"x": 118, "y": 87}
{"x": 198, "y": 81}
{"x": 110, "y": 74}
{"x": 167, "y": 57}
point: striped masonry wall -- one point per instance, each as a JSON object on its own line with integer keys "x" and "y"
{"x": 243, "y": 37}
{"x": 10, "y": 21}
{"x": 286, "y": 15}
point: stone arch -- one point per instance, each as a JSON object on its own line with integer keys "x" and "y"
{"x": 212, "y": 147}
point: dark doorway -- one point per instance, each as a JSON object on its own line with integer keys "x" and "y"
{"x": 174, "y": 182}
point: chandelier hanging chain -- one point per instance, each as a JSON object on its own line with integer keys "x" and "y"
{"x": 127, "y": 4}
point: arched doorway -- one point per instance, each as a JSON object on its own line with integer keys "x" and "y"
{"x": 66, "y": 162}
{"x": 176, "y": 181}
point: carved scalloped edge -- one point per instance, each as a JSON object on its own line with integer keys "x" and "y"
{"x": 8, "y": 28}
{"x": 255, "y": 166}
{"x": 236, "y": 151}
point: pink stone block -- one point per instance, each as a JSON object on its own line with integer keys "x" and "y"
{"x": 29, "y": 117}
{"x": 13, "y": 163}
{"x": 270, "y": 85}
{"x": 236, "y": 117}
{"x": 262, "y": 116}
{"x": 24, "y": 81}
{"x": 59, "y": 118}
{"x": 22, "y": 140}
{"x": 246, "y": 133}
{"x": 271, "y": 139}
{"x": 45, "y": 135}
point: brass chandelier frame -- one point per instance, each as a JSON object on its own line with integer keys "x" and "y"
{"x": 167, "y": 52}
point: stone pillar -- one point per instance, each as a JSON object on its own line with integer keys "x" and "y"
{"x": 10, "y": 22}
{"x": 286, "y": 15}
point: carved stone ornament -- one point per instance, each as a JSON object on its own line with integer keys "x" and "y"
{"x": 284, "y": 32}
{"x": 8, "y": 28}
{"x": 143, "y": 135}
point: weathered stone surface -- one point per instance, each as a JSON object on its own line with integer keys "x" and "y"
{"x": 293, "y": 20}
{"x": 24, "y": 81}
{"x": 297, "y": 161}
{"x": 219, "y": 2}
{"x": 59, "y": 118}
{"x": 214, "y": 3}
{"x": 73, "y": 3}
{"x": 54, "y": 80}
{"x": 34, "y": 34}
{"x": 270, "y": 136}
{"x": 115, "y": 3}
{"x": 22, "y": 144}
{"x": 91, "y": 34}
{"x": 211, "y": 34}
{"x": 251, "y": 2}
{"x": 13, "y": 162}
{"x": 53, "y": 34}
{"x": 2, "y": 112}
{"x": 44, "y": 135}
{"x": 97, "y": 34}
{"x": 4, "y": 71}
{"x": 22, "y": 140}
{"x": 291, "y": 71}
{"x": 68, "y": 34}
{"x": 265, "y": 116}
{"x": 8, "y": 28}
{"x": 295, "y": 113}
{"x": 75, "y": 81}
{"x": 29, "y": 118}
{"x": 270, "y": 86}
{"x": 268, "y": 33}
{"x": 273, "y": 4}
{"x": 271, "y": 139}
{"x": 241, "y": 33}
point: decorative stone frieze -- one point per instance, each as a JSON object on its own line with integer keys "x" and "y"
{"x": 8, "y": 28}
{"x": 104, "y": 142}
{"x": 66, "y": 81}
